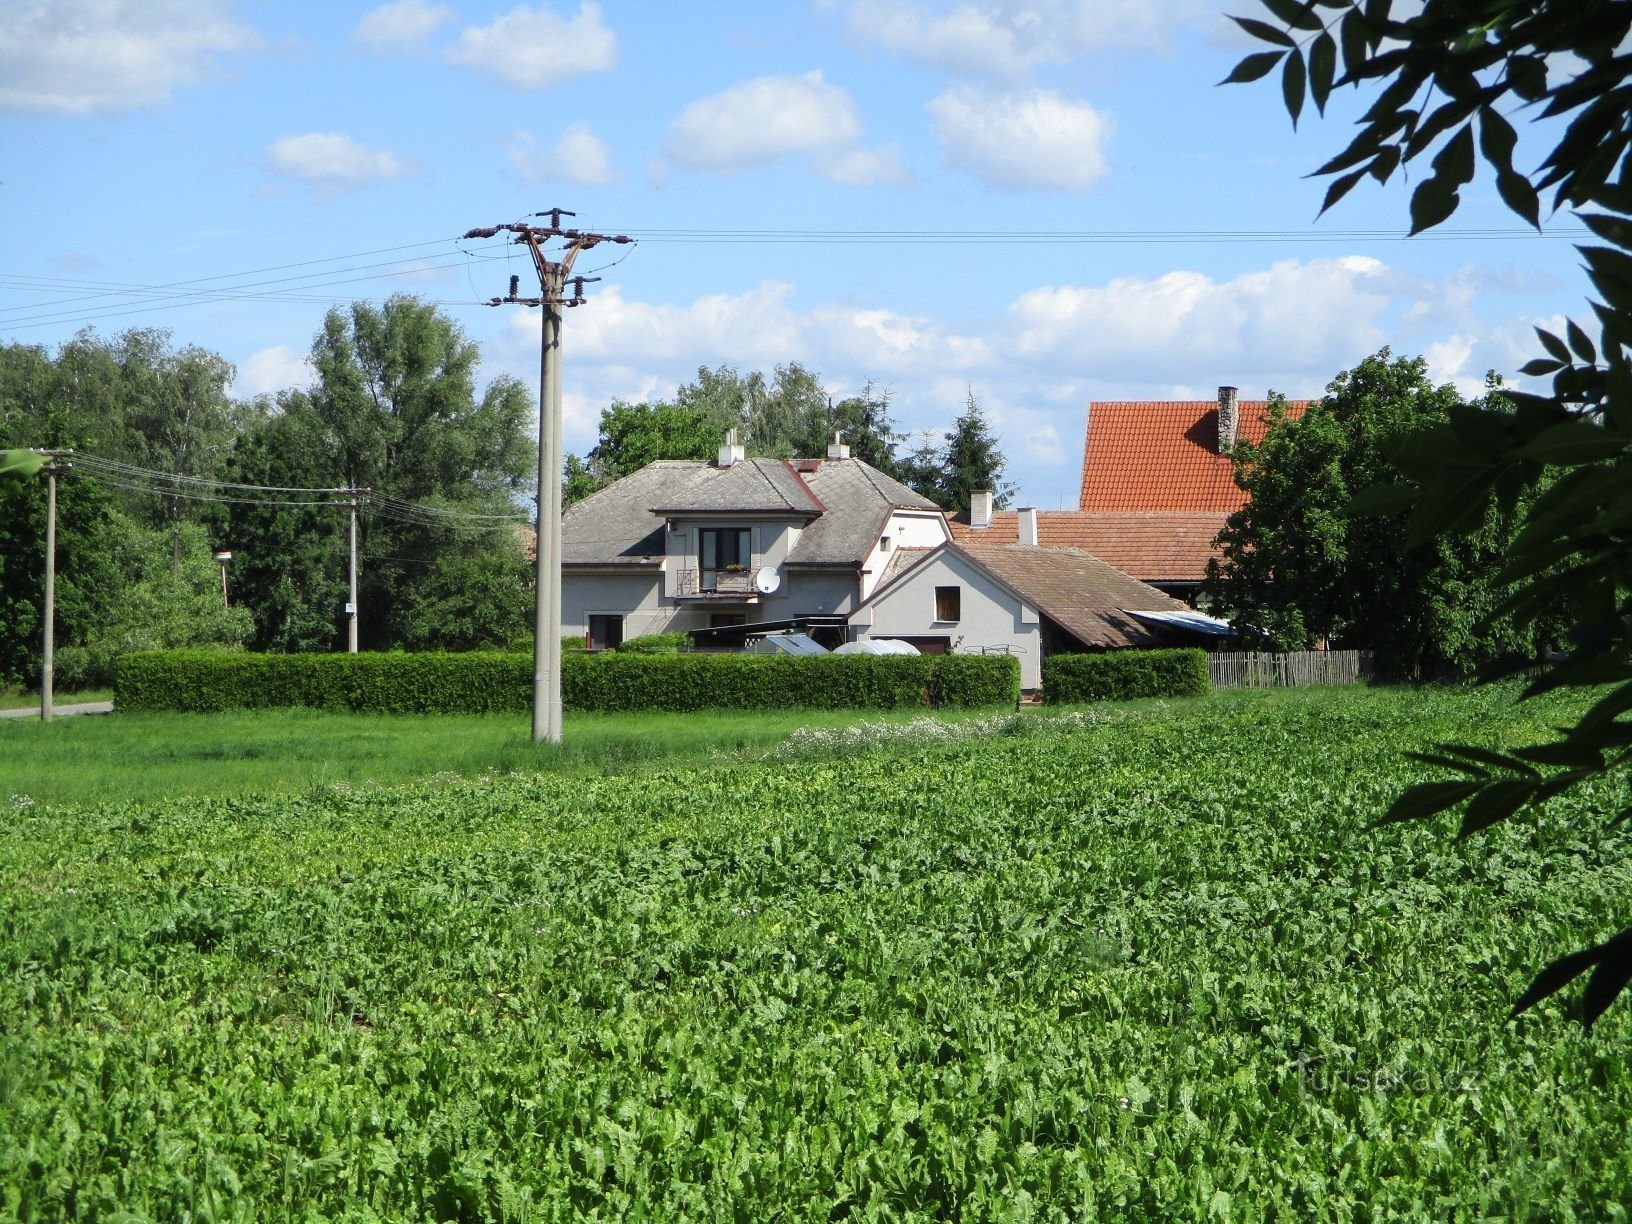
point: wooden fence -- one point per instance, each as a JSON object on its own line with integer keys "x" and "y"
{"x": 1255, "y": 669}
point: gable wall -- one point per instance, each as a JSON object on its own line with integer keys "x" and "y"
{"x": 989, "y": 614}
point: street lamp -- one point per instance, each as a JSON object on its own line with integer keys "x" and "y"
{"x": 222, "y": 557}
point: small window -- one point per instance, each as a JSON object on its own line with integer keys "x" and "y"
{"x": 884, "y": 544}
{"x": 605, "y": 633}
{"x": 948, "y": 603}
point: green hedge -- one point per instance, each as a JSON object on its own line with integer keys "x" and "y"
{"x": 1124, "y": 674}
{"x": 478, "y": 682}
{"x": 656, "y": 643}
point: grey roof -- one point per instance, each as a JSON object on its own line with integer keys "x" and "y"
{"x": 858, "y": 499}
{"x": 848, "y": 501}
{"x": 753, "y": 486}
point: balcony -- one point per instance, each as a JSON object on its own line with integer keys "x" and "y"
{"x": 735, "y": 584}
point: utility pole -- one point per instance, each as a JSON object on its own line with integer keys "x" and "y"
{"x": 57, "y": 466}
{"x": 353, "y": 503}
{"x": 354, "y": 500}
{"x": 553, "y": 278}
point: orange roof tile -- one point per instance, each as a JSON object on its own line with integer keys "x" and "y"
{"x": 1163, "y": 455}
{"x": 1151, "y": 545}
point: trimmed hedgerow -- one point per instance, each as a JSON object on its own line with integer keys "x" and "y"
{"x": 473, "y": 682}
{"x": 478, "y": 682}
{"x": 656, "y": 643}
{"x": 1124, "y": 674}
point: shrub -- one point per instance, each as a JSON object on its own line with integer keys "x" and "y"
{"x": 487, "y": 682}
{"x": 1124, "y": 674}
{"x": 655, "y": 643}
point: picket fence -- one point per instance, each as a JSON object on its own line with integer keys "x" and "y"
{"x": 1257, "y": 669}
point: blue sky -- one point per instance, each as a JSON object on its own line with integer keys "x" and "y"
{"x": 284, "y": 157}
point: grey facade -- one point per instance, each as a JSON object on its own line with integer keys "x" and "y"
{"x": 684, "y": 545}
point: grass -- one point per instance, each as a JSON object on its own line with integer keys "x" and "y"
{"x": 16, "y": 699}
{"x": 153, "y": 756}
{"x": 1148, "y": 962}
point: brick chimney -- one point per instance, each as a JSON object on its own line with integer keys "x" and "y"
{"x": 1027, "y": 527}
{"x": 980, "y": 509}
{"x": 1229, "y": 420}
{"x": 732, "y": 452}
{"x": 838, "y": 448}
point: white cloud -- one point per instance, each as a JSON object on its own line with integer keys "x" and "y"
{"x": 579, "y": 156}
{"x": 1290, "y": 326}
{"x": 402, "y": 25}
{"x": 535, "y": 49}
{"x": 761, "y": 120}
{"x": 863, "y": 167}
{"x": 84, "y": 57}
{"x": 1315, "y": 318}
{"x": 329, "y": 162}
{"x": 271, "y": 370}
{"x": 1036, "y": 140}
{"x": 1006, "y": 40}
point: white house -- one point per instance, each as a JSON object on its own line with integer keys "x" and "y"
{"x": 688, "y": 545}
{"x": 1022, "y": 600}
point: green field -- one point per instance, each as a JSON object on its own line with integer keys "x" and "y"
{"x": 155, "y": 756}
{"x": 1145, "y": 964}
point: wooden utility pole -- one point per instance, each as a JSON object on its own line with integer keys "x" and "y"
{"x": 52, "y": 470}
{"x": 553, "y": 279}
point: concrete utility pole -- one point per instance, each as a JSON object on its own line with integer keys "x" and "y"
{"x": 52, "y": 470}
{"x": 354, "y": 500}
{"x": 553, "y": 279}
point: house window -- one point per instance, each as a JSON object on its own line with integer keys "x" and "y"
{"x": 948, "y": 603}
{"x": 605, "y": 632}
{"x": 884, "y": 544}
{"x": 723, "y": 550}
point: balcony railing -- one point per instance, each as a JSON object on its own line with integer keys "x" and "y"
{"x": 704, "y": 582}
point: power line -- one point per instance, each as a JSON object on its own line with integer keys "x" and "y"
{"x": 1095, "y": 237}
{"x": 135, "y": 479}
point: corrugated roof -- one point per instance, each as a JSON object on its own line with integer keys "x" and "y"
{"x": 1163, "y": 455}
{"x": 1087, "y": 598}
{"x": 1151, "y": 545}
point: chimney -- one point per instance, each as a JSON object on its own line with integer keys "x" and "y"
{"x": 1229, "y": 420}
{"x": 1028, "y": 526}
{"x": 838, "y": 448}
{"x": 732, "y": 452}
{"x": 980, "y": 509}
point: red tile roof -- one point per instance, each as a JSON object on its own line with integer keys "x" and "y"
{"x": 1152, "y": 545}
{"x": 1163, "y": 455}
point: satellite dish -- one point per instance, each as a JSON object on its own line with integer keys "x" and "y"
{"x": 767, "y": 580}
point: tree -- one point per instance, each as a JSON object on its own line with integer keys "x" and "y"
{"x": 132, "y": 399}
{"x": 88, "y": 577}
{"x": 395, "y": 410}
{"x": 969, "y": 459}
{"x": 1298, "y": 570}
{"x": 791, "y": 416}
{"x": 475, "y": 600}
{"x": 1438, "y": 76}
{"x": 633, "y": 435}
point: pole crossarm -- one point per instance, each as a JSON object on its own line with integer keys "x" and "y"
{"x": 554, "y": 278}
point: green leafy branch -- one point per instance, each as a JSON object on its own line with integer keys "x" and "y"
{"x": 1441, "y": 77}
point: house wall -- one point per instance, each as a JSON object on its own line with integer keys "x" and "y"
{"x": 772, "y": 542}
{"x": 832, "y": 592}
{"x": 636, "y": 597}
{"x": 989, "y": 614}
{"x": 904, "y": 529}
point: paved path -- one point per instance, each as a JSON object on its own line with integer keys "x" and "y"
{"x": 58, "y": 711}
